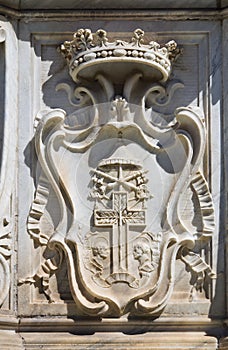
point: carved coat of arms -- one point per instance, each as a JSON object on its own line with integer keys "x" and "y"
{"x": 126, "y": 181}
{"x": 120, "y": 193}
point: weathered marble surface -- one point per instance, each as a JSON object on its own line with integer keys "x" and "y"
{"x": 29, "y": 86}
{"x": 10, "y": 340}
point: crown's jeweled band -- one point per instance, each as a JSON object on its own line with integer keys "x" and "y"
{"x": 87, "y": 49}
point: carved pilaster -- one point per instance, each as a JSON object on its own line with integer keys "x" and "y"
{"x": 7, "y": 156}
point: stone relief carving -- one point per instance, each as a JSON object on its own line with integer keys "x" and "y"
{"x": 6, "y": 199}
{"x": 120, "y": 192}
{"x": 129, "y": 190}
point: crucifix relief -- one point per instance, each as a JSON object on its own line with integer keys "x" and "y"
{"x": 119, "y": 218}
{"x": 120, "y": 191}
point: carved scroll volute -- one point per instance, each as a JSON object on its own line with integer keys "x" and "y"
{"x": 120, "y": 173}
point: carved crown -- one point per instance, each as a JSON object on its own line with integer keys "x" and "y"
{"x": 87, "y": 51}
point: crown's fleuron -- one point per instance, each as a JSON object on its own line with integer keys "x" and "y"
{"x": 87, "y": 52}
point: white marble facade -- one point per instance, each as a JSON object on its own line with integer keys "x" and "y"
{"x": 113, "y": 181}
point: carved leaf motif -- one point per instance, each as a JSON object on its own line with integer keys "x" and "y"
{"x": 137, "y": 38}
{"x": 120, "y": 202}
{"x": 134, "y": 217}
{"x": 44, "y": 272}
{"x": 83, "y": 39}
{"x": 101, "y": 37}
{"x": 105, "y": 214}
{"x": 106, "y": 217}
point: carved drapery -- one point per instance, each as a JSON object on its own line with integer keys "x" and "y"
{"x": 128, "y": 194}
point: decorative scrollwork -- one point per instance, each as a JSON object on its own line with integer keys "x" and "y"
{"x": 137, "y": 168}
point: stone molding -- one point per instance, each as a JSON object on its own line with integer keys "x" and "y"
{"x": 136, "y": 4}
{"x": 151, "y": 341}
{"x": 156, "y": 14}
{"x": 10, "y": 340}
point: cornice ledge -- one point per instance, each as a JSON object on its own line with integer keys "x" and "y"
{"x": 225, "y": 13}
{"x": 164, "y": 324}
{"x": 116, "y": 14}
{"x": 8, "y": 322}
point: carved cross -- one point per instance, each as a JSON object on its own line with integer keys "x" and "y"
{"x": 119, "y": 218}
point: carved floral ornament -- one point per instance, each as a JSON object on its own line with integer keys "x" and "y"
{"x": 126, "y": 181}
